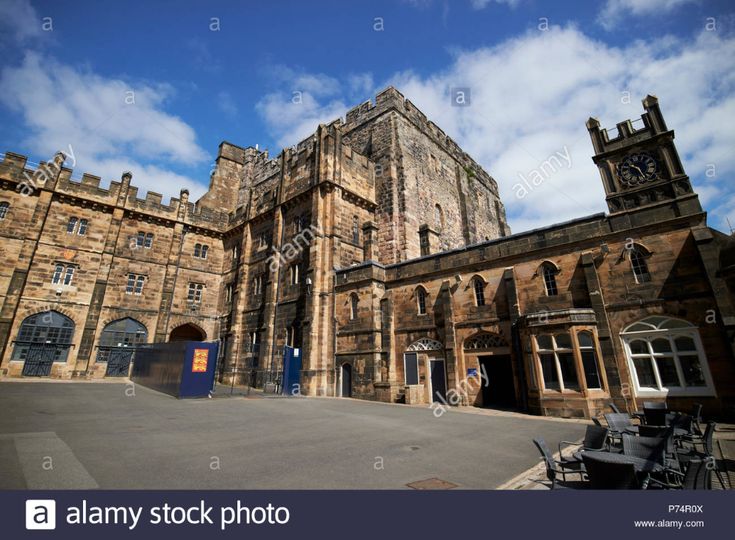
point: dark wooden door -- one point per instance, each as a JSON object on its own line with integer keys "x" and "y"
{"x": 438, "y": 381}
{"x": 346, "y": 380}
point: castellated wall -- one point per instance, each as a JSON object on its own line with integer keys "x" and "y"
{"x": 35, "y": 237}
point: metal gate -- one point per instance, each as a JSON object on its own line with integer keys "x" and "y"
{"x": 40, "y": 357}
{"x": 118, "y": 361}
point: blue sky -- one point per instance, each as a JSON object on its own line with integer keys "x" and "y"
{"x": 155, "y": 87}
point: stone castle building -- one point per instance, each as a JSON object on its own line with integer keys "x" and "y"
{"x": 380, "y": 250}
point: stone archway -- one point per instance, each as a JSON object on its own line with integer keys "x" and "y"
{"x": 187, "y": 332}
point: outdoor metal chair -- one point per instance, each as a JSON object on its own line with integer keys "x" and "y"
{"x": 555, "y": 467}
{"x": 616, "y": 423}
{"x": 606, "y": 475}
{"x": 698, "y": 476}
{"x": 686, "y": 455}
{"x": 650, "y": 448}
{"x": 595, "y": 440}
{"x": 615, "y": 408}
{"x": 596, "y": 421}
{"x": 667, "y": 434}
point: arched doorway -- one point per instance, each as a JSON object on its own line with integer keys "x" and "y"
{"x": 346, "y": 379}
{"x": 43, "y": 339}
{"x": 117, "y": 345}
{"x": 187, "y": 332}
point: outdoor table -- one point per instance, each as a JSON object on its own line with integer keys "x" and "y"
{"x": 641, "y": 465}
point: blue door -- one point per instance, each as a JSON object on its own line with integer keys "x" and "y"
{"x": 291, "y": 371}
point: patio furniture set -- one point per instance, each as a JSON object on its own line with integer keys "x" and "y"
{"x": 650, "y": 449}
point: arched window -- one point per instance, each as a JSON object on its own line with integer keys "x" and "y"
{"x": 4, "y": 206}
{"x": 438, "y": 217}
{"x": 354, "y": 300}
{"x": 421, "y": 300}
{"x": 205, "y": 251}
{"x": 123, "y": 333}
{"x": 82, "y": 230}
{"x": 50, "y": 330}
{"x": 71, "y": 225}
{"x": 478, "y": 285}
{"x": 556, "y": 356}
{"x": 665, "y": 356}
{"x": 294, "y": 273}
{"x": 639, "y": 265}
{"x": 549, "y": 272}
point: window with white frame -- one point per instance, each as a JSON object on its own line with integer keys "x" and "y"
{"x": 201, "y": 250}
{"x": 4, "y": 206}
{"x": 144, "y": 240}
{"x": 135, "y": 284}
{"x": 194, "y": 295}
{"x": 77, "y": 226}
{"x": 665, "y": 356}
{"x": 556, "y": 356}
{"x": 63, "y": 274}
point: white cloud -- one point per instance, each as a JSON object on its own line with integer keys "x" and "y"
{"x": 614, "y": 10}
{"x": 482, "y": 4}
{"x": 226, "y": 103}
{"x": 19, "y": 20}
{"x": 105, "y": 120}
{"x": 299, "y": 101}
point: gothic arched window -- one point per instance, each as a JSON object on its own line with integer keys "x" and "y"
{"x": 549, "y": 272}
{"x": 639, "y": 265}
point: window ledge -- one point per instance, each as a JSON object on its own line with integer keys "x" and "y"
{"x": 693, "y": 392}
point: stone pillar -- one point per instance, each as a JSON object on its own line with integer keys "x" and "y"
{"x": 369, "y": 241}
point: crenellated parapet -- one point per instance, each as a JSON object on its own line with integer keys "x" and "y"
{"x": 391, "y": 99}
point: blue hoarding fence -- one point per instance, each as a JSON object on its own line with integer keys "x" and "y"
{"x": 182, "y": 369}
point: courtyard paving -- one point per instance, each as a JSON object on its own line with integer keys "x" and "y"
{"x": 86, "y": 435}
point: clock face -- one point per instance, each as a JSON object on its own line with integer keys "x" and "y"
{"x": 637, "y": 169}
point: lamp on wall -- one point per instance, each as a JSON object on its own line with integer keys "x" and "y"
{"x": 308, "y": 285}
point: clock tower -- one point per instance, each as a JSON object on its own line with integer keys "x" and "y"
{"x": 641, "y": 169}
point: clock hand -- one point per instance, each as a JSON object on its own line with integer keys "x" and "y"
{"x": 637, "y": 169}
